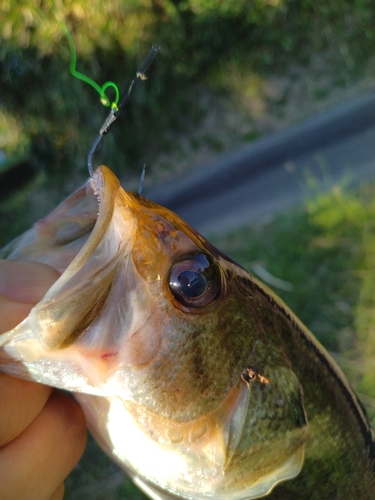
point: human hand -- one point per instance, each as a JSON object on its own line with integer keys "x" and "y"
{"x": 42, "y": 431}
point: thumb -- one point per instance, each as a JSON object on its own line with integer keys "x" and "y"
{"x": 25, "y": 282}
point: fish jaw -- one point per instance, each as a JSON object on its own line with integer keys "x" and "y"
{"x": 96, "y": 316}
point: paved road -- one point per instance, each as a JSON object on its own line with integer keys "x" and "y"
{"x": 272, "y": 173}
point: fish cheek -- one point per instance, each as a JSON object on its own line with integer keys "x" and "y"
{"x": 144, "y": 344}
{"x": 199, "y": 362}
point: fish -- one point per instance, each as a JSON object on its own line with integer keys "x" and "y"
{"x": 193, "y": 375}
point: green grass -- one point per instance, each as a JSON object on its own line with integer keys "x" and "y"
{"x": 224, "y": 47}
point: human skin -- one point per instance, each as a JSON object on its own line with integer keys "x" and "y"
{"x": 42, "y": 430}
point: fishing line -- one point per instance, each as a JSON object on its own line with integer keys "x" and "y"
{"x": 115, "y": 109}
{"x": 104, "y": 99}
{"x": 142, "y": 180}
{"x": 115, "y": 112}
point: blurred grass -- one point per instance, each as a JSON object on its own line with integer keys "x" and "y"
{"x": 209, "y": 51}
{"x": 223, "y": 47}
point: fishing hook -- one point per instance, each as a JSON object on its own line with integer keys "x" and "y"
{"x": 115, "y": 111}
{"x": 141, "y": 180}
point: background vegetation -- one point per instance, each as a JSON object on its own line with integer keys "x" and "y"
{"x": 203, "y": 43}
{"x": 208, "y": 48}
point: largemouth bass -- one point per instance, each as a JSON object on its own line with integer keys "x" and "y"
{"x": 193, "y": 376}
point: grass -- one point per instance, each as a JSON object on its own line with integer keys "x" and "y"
{"x": 324, "y": 255}
{"x": 224, "y": 76}
{"x": 225, "y": 48}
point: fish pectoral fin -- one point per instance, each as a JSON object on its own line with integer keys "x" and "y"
{"x": 287, "y": 470}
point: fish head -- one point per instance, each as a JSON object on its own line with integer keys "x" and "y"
{"x": 171, "y": 348}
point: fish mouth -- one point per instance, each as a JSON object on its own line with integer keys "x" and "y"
{"x": 207, "y": 456}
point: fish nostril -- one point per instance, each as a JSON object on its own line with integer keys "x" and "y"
{"x": 160, "y": 227}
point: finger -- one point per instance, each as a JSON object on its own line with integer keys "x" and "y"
{"x": 20, "y": 403}
{"x": 12, "y": 313}
{"x": 34, "y": 465}
{"x": 59, "y": 493}
{"x": 26, "y": 281}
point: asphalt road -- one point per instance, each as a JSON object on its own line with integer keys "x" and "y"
{"x": 274, "y": 173}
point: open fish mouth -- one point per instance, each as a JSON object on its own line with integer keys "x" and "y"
{"x": 138, "y": 327}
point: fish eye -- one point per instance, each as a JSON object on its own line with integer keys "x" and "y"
{"x": 193, "y": 284}
{"x": 195, "y": 280}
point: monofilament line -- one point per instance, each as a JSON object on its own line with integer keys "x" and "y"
{"x": 115, "y": 112}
